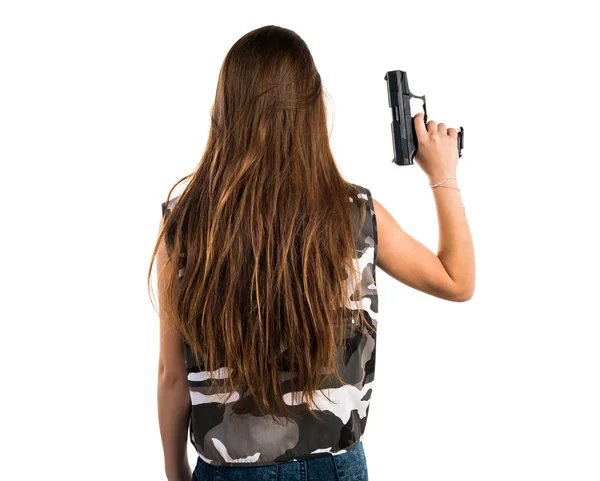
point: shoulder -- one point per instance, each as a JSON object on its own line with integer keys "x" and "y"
{"x": 168, "y": 207}
{"x": 362, "y": 194}
{"x": 359, "y": 191}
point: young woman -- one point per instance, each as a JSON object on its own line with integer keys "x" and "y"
{"x": 266, "y": 277}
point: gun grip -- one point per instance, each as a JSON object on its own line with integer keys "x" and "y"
{"x": 412, "y": 146}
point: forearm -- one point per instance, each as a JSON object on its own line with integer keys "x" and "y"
{"x": 173, "y": 416}
{"x": 455, "y": 247}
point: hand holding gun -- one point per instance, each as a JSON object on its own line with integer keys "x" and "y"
{"x": 404, "y": 135}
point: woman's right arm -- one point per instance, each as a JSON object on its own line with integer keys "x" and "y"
{"x": 450, "y": 274}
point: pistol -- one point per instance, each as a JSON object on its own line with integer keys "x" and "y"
{"x": 404, "y": 136}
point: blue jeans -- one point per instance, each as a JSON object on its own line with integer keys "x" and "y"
{"x": 349, "y": 466}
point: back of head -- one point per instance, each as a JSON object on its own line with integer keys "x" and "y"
{"x": 264, "y": 232}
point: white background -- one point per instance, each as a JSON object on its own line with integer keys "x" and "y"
{"x": 105, "y": 105}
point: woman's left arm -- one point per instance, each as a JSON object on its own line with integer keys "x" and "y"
{"x": 173, "y": 396}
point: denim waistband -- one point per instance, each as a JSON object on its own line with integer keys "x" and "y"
{"x": 348, "y": 466}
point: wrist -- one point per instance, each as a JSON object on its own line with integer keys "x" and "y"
{"x": 446, "y": 186}
{"x": 439, "y": 177}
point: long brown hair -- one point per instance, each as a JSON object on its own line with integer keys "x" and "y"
{"x": 265, "y": 228}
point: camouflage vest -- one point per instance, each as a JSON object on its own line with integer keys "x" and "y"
{"x": 224, "y": 438}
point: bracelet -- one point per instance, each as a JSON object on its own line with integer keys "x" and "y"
{"x": 442, "y": 182}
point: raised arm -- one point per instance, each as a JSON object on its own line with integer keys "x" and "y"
{"x": 450, "y": 274}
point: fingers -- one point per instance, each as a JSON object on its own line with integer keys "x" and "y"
{"x": 431, "y": 126}
{"x": 420, "y": 125}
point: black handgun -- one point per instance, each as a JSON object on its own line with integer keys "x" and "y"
{"x": 404, "y": 135}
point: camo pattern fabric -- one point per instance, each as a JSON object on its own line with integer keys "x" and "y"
{"x": 224, "y": 438}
